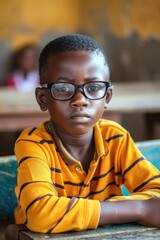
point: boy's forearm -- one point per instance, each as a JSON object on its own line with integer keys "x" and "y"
{"x": 119, "y": 212}
{"x": 145, "y": 212}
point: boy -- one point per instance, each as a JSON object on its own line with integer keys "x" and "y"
{"x": 71, "y": 168}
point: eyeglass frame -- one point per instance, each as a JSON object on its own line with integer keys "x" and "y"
{"x": 81, "y": 86}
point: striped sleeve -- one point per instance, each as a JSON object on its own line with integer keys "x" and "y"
{"x": 140, "y": 177}
{"x": 42, "y": 208}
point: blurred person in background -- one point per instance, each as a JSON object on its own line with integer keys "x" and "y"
{"x": 23, "y": 70}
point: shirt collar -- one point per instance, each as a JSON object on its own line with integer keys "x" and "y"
{"x": 101, "y": 146}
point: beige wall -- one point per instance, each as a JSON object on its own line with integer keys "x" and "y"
{"x": 124, "y": 16}
{"x": 128, "y": 28}
{"x": 31, "y": 19}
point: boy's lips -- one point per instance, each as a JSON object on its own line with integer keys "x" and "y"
{"x": 80, "y": 114}
{"x": 80, "y": 117}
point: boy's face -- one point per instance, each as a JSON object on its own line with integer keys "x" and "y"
{"x": 78, "y": 115}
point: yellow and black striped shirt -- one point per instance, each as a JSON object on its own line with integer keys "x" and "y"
{"x": 55, "y": 194}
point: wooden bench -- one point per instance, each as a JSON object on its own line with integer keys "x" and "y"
{"x": 8, "y": 175}
{"x": 8, "y": 202}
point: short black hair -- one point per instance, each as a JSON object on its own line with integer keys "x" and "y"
{"x": 69, "y": 42}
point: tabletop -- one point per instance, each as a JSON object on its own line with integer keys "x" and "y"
{"x": 126, "y": 231}
{"x": 19, "y": 110}
{"x": 127, "y": 97}
{"x": 136, "y": 97}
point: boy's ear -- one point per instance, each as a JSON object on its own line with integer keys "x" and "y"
{"x": 41, "y": 98}
{"x": 108, "y": 97}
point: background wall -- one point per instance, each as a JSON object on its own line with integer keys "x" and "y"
{"x": 128, "y": 29}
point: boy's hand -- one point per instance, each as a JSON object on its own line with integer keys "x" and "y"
{"x": 150, "y": 212}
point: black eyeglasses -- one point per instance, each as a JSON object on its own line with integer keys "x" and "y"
{"x": 63, "y": 91}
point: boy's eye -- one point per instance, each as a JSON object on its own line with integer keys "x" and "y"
{"x": 93, "y": 87}
{"x": 62, "y": 88}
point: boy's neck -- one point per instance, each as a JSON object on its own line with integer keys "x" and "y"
{"x": 79, "y": 147}
{"x": 75, "y": 141}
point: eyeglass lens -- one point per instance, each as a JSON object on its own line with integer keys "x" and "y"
{"x": 64, "y": 91}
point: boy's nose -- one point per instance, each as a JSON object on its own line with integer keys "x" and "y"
{"x": 79, "y": 99}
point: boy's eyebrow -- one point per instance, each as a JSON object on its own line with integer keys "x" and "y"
{"x": 72, "y": 79}
{"x": 64, "y": 79}
{"x": 93, "y": 79}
